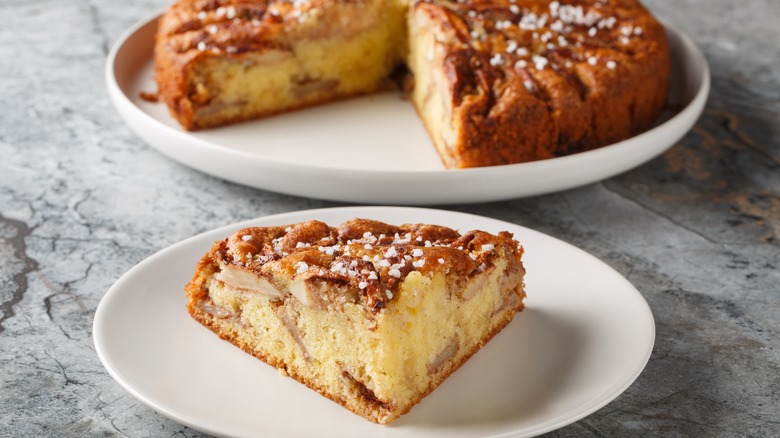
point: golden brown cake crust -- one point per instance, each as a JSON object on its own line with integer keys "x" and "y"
{"x": 365, "y": 255}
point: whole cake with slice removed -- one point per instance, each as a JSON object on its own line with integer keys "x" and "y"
{"x": 494, "y": 81}
{"x": 371, "y": 315}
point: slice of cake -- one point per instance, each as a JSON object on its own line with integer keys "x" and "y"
{"x": 371, "y": 315}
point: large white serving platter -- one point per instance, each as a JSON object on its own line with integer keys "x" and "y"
{"x": 584, "y": 337}
{"x": 374, "y": 149}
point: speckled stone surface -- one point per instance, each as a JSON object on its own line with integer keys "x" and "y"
{"x": 82, "y": 200}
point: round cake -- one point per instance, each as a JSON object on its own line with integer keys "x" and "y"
{"x": 494, "y": 82}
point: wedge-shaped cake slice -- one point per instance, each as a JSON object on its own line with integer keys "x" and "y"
{"x": 371, "y": 315}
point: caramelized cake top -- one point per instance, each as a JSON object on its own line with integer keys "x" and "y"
{"x": 368, "y": 257}
{"x": 237, "y": 26}
{"x": 493, "y": 41}
{"x": 507, "y": 34}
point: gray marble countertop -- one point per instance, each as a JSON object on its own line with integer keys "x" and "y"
{"x": 82, "y": 200}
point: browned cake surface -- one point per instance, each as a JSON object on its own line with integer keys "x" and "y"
{"x": 361, "y": 277}
{"x": 365, "y": 258}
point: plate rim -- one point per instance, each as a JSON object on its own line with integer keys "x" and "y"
{"x": 674, "y": 128}
{"x": 162, "y": 407}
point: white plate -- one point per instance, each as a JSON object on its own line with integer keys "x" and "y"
{"x": 374, "y": 149}
{"x": 584, "y": 337}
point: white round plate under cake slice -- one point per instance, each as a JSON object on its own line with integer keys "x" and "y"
{"x": 585, "y": 335}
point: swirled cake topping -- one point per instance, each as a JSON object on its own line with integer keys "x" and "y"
{"x": 366, "y": 258}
